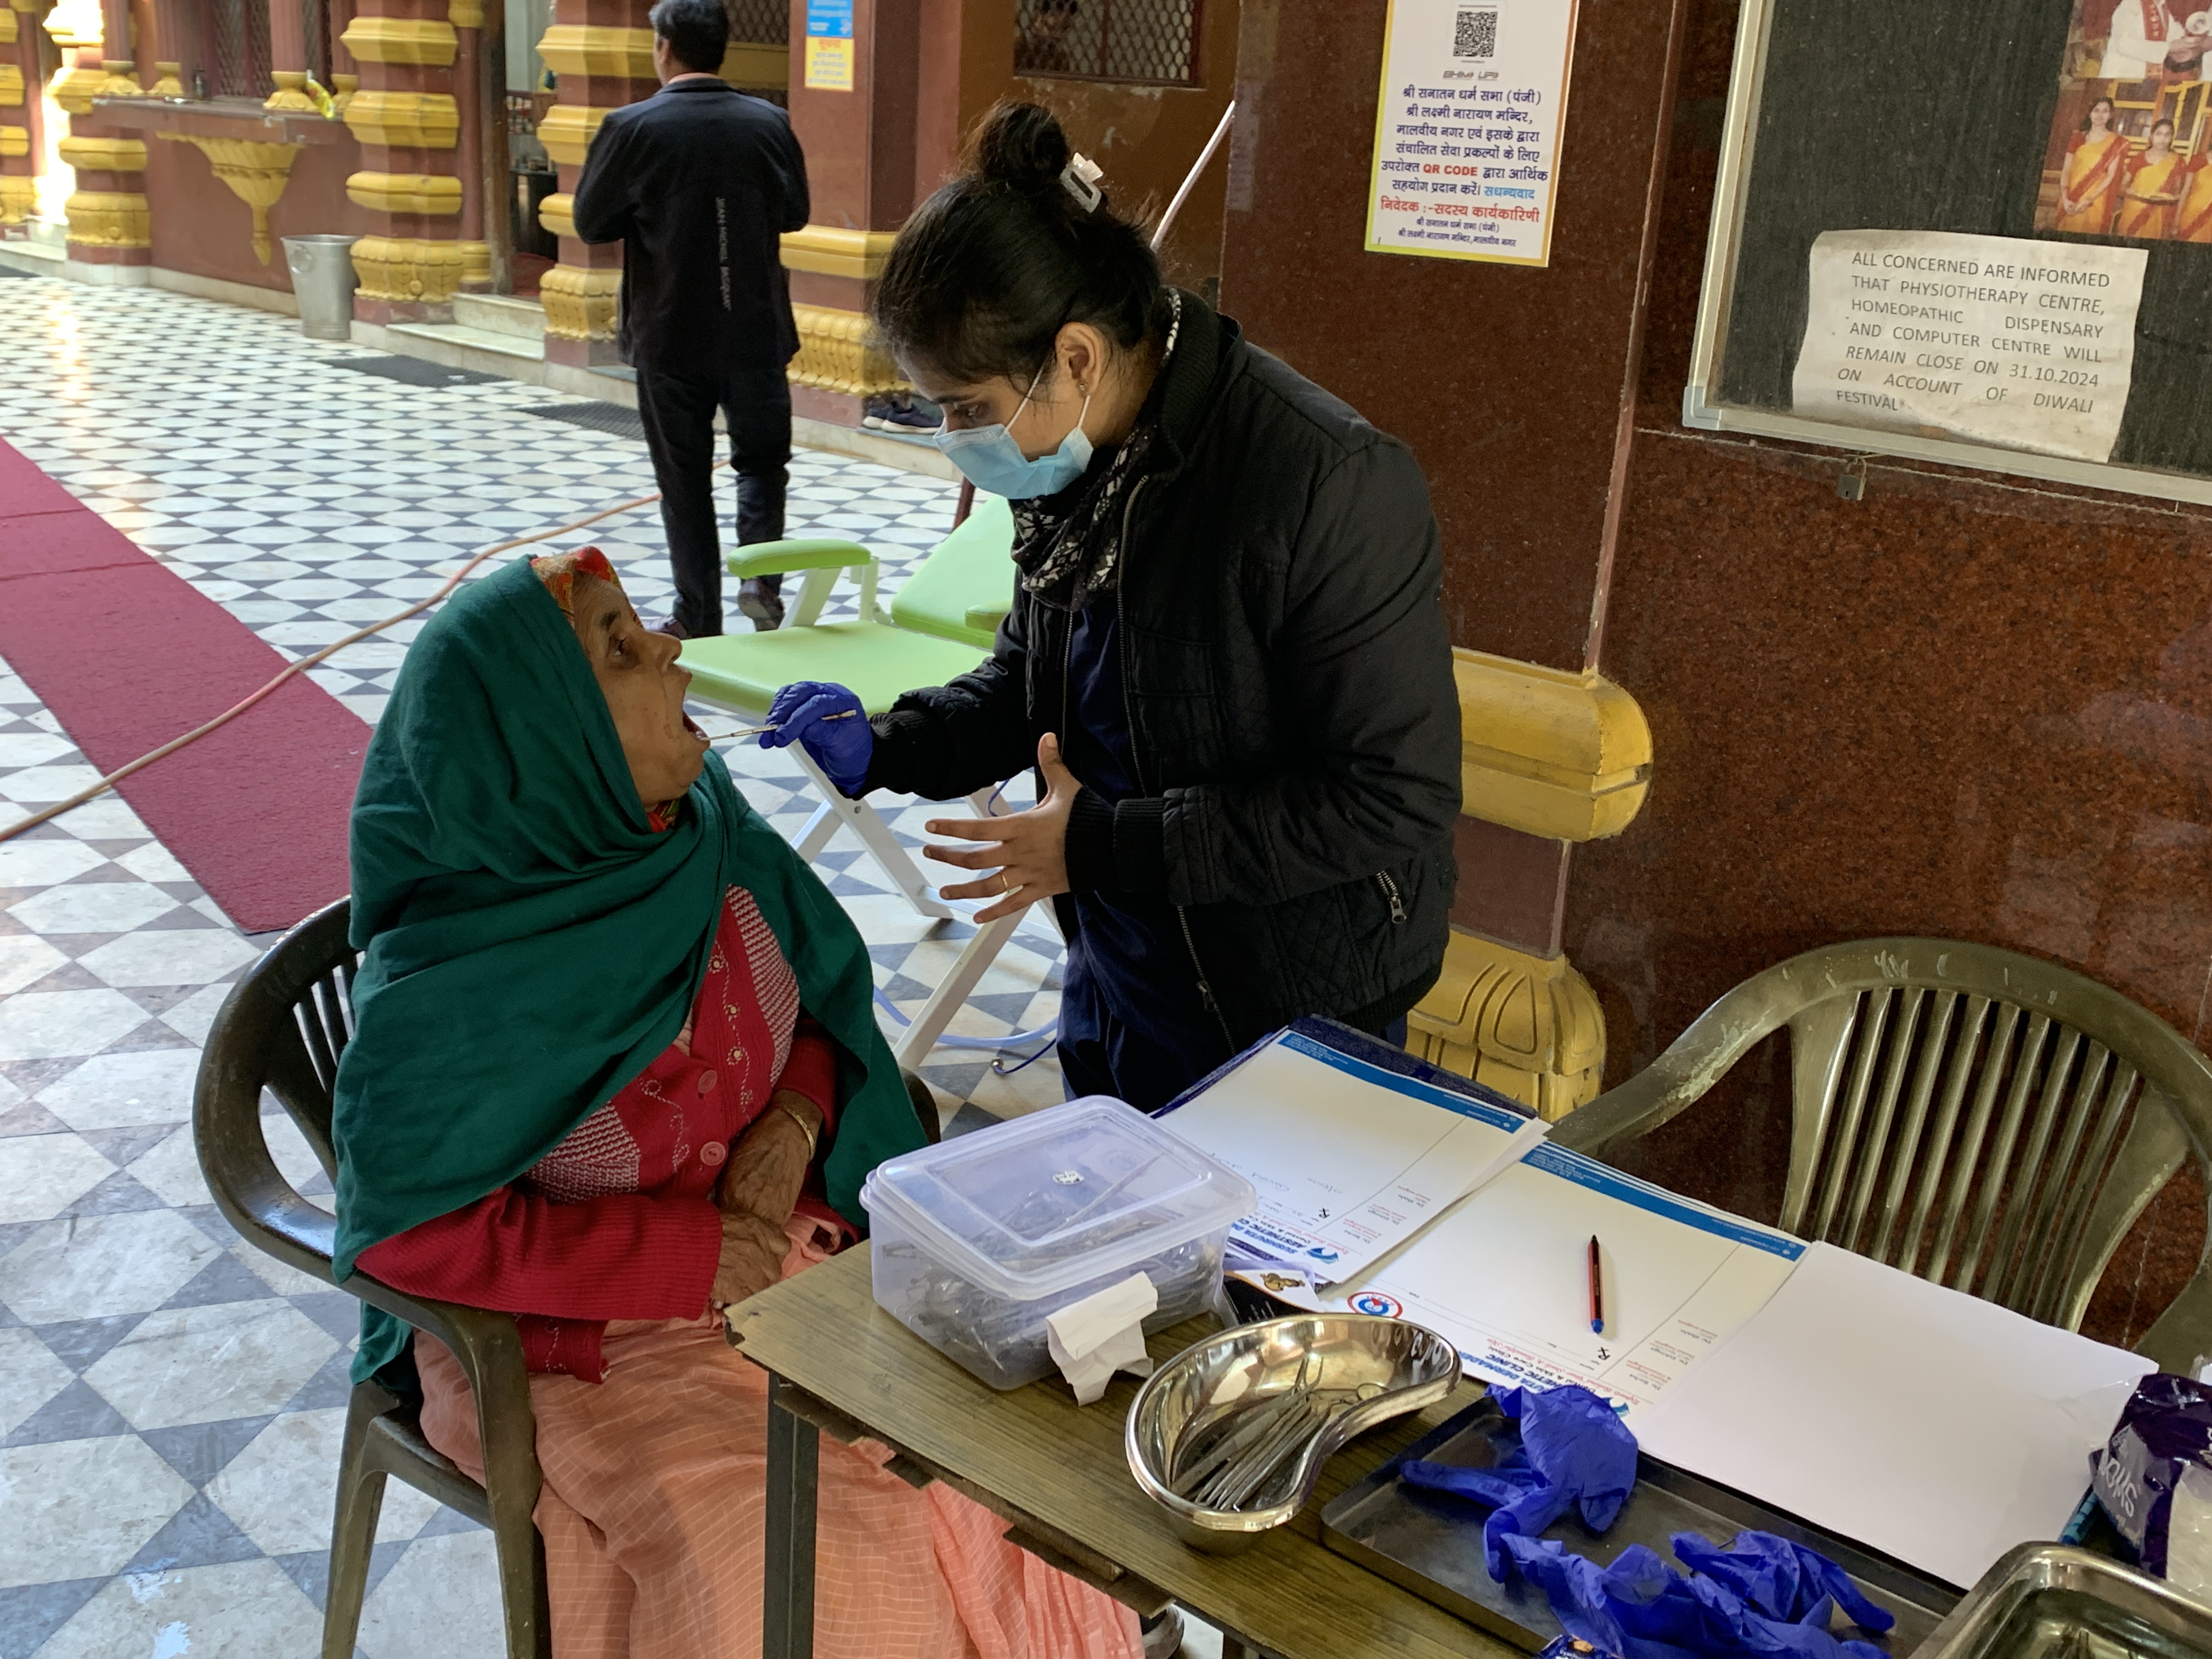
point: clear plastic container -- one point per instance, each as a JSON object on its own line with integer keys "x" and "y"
{"x": 974, "y": 1242}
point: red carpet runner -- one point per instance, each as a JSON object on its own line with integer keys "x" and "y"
{"x": 126, "y": 656}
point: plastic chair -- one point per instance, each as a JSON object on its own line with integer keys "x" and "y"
{"x": 282, "y": 1029}
{"x": 1982, "y": 1119}
{"x": 941, "y": 623}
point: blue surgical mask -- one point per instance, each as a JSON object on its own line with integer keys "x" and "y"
{"x": 992, "y": 460}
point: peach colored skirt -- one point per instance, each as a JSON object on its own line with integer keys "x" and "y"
{"x": 652, "y": 1516}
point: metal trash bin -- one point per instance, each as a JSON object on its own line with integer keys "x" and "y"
{"x": 323, "y": 282}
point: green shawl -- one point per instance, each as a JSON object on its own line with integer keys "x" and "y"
{"x": 529, "y": 946}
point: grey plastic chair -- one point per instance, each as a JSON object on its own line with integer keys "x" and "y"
{"x": 1979, "y": 1118}
{"x": 282, "y": 1029}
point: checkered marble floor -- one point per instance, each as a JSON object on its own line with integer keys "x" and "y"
{"x": 171, "y": 1399}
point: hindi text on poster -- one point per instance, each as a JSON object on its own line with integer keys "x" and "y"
{"x": 1992, "y": 339}
{"x": 1467, "y": 130}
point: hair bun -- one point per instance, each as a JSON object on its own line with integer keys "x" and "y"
{"x": 1021, "y": 145}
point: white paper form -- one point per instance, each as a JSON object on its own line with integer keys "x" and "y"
{"x": 1350, "y": 1159}
{"x": 1932, "y": 1426}
{"x": 1505, "y": 1276}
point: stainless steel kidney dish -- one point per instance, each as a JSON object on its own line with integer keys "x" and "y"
{"x": 1230, "y": 1436}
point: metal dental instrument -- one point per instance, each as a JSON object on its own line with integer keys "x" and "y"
{"x": 756, "y": 730}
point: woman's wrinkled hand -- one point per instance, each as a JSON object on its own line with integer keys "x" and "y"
{"x": 768, "y": 1165}
{"x": 752, "y": 1257}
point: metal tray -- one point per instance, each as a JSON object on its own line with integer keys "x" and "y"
{"x": 2049, "y": 1601}
{"x": 1431, "y": 1543}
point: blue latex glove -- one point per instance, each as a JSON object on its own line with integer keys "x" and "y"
{"x": 1778, "y": 1578}
{"x": 839, "y": 747}
{"x": 1574, "y": 1449}
{"x": 1641, "y": 1608}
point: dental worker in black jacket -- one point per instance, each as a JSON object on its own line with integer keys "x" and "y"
{"x": 1227, "y": 656}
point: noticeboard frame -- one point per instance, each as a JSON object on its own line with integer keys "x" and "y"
{"x": 1746, "y": 87}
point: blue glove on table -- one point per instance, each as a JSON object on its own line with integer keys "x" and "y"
{"x": 1639, "y": 1608}
{"x": 1574, "y": 1449}
{"x": 841, "y": 747}
{"x": 1762, "y": 1598}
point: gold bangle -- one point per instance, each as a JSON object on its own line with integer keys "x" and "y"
{"x": 813, "y": 1135}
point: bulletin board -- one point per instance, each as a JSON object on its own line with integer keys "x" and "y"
{"x": 2050, "y": 121}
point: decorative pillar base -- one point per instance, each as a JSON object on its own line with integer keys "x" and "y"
{"x": 580, "y": 303}
{"x": 109, "y": 227}
{"x": 1528, "y": 1028}
{"x": 405, "y": 279}
{"x": 18, "y": 196}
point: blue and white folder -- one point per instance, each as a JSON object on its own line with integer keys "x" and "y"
{"x": 1353, "y": 1147}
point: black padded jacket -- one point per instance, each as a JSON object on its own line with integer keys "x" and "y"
{"x": 1291, "y": 700}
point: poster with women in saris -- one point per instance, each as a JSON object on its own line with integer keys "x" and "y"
{"x": 2131, "y": 146}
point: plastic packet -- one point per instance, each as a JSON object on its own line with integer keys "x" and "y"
{"x": 2154, "y": 1479}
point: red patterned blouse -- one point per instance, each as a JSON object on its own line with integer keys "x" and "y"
{"x": 618, "y": 1221}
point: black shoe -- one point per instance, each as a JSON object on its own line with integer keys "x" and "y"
{"x": 761, "y": 603}
{"x": 673, "y": 628}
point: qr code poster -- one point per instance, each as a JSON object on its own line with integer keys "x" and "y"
{"x": 2129, "y": 152}
{"x": 1467, "y": 130}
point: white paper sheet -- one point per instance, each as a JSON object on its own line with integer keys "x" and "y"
{"x": 1932, "y": 1426}
{"x": 1505, "y": 1276}
{"x": 1994, "y": 339}
{"x": 1350, "y": 1160}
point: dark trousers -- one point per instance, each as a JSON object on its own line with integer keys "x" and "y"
{"x": 678, "y": 412}
{"x": 1101, "y": 1054}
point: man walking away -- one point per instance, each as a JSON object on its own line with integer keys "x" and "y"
{"x": 697, "y": 182}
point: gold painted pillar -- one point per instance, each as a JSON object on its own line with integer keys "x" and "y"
{"x": 19, "y": 97}
{"x": 408, "y": 120}
{"x": 600, "y": 52}
{"x": 1566, "y": 758}
{"x": 111, "y": 234}
{"x": 857, "y": 121}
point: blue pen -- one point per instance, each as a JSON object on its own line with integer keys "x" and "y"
{"x": 1597, "y": 1291}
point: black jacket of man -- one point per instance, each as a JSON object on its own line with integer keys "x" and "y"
{"x": 696, "y": 183}
{"x": 1290, "y": 702}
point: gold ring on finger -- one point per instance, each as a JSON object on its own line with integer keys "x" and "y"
{"x": 1006, "y": 883}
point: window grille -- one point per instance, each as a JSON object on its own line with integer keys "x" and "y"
{"x": 1149, "y": 41}
{"x": 237, "y": 33}
{"x": 759, "y": 22}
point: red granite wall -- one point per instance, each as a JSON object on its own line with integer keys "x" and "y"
{"x": 201, "y": 226}
{"x": 1963, "y": 706}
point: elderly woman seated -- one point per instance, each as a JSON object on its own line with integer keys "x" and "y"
{"x": 616, "y": 1067}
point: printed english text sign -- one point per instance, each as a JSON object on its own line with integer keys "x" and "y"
{"x": 1992, "y": 339}
{"x": 1467, "y": 130}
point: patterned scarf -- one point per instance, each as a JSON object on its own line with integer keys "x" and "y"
{"x": 1068, "y": 546}
{"x": 559, "y": 571}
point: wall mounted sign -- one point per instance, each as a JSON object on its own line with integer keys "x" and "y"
{"x": 1466, "y": 129}
{"x": 829, "y": 45}
{"x": 2026, "y": 185}
{"x": 1988, "y": 339}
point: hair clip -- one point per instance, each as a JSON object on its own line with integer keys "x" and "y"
{"x": 1080, "y": 179}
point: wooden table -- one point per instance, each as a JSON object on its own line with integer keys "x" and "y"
{"x": 1057, "y": 1473}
